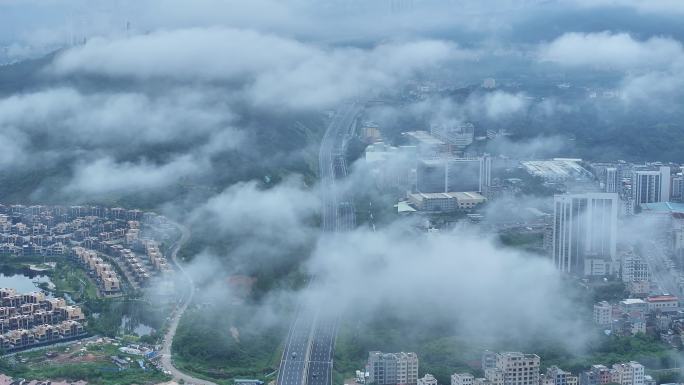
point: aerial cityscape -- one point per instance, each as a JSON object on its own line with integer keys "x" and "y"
{"x": 342, "y": 192}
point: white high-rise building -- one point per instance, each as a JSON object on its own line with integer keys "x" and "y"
{"x": 585, "y": 232}
{"x": 485, "y": 173}
{"x": 652, "y": 185}
{"x": 678, "y": 187}
{"x": 611, "y": 179}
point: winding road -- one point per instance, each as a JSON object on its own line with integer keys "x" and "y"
{"x": 165, "y": 359}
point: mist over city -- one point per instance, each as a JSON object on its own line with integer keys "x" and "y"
{"x": 357, "y": 192}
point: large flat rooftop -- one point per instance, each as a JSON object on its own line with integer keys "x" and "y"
{"x": 558, "y": 168}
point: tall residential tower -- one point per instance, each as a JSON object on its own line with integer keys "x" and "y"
{"x": 585, "y": 232}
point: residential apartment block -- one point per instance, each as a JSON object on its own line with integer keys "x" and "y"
{"x": 585, "y": 233}
{"x": 392, "y": 368}
{"x": 630, "y": 373}
{"x": 515, "y": 368}
{"x": 32, "y": 319}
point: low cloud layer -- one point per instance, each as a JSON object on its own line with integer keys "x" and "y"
{"x": 457, "y": 276}
{"x": 653, "y": 68}
{"x": 260, "y": 225}
{"x": 606, "y": 50}
{"x": 105, "y": 175}
{"x": 67, "y": 116}
{"x": 271, "y": 70}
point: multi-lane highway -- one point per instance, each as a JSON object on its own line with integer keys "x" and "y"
{"x": 319, "y": 370}
{"x": 293, "y": 363}
{"x": 309, "y": 349}
{"x": 337, "y": 208}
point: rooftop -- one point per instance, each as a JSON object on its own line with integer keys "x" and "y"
{"x": 459, "y": 195}
{"x": 632, "y": 301}
{"x": 556, "y": 168}
{"x": 662, "y": 298}
{"x": 663, "y": 207}
{"x": 425, "y": 137}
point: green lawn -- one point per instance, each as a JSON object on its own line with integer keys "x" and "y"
{"x": 73, "y": 280}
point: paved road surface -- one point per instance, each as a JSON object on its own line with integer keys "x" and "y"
{"x": 165, "y": 358}
{"x": 293, "y": 363}
{"x": 310, "y": 344}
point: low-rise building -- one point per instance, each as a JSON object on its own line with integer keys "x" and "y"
{"x": 662, "y": 303}
{"x": 634, "y": 305}
{"x": 446, "y": 202}
{"x": 462, "y": 379}
{"x": 427, "y": 379}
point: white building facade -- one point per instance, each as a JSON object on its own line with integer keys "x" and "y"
{"x": 585, "y": 233}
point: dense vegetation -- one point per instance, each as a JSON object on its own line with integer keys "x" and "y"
{"x": 226, "y": 342}
{"x": 442, "y": 352}
{"x": 526, "y": 241}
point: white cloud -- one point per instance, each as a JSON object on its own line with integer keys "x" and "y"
{"x": 656, "y": 88}
{"x": 263, "y": 225}
{"x": 130, "y": 119}
{"x": 272, "y": 70}
{"x": 457, "y": 276}
{"x": 105, "y": 175}
{"x": 499, "y": 104}
{"x": 666, "y": 7}
{"x": 204, "y": 54}
{"x": 12, "y": 149}
{"x": 245, "y": 208}
{"x": 653, "y": 68}
{"x": 612, "y": 51}
{"x": 535, "y": 148}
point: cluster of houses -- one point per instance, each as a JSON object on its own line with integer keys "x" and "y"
{"x": 657, "y": 315}
{"x": 108, "y": 280}
{"x": 156, "y": 258}
{"x": 504, "y": 368}
{"x": 32, "y": 319}
{"x": 89, "y": 234}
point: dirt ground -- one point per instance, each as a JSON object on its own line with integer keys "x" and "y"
{"x": 70, "y": 358}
